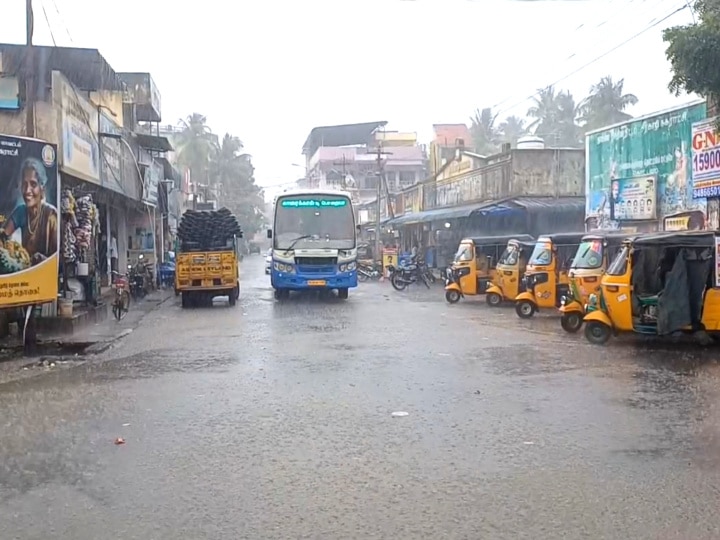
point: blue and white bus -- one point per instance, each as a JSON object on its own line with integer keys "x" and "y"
{"x": 314, "y": 242}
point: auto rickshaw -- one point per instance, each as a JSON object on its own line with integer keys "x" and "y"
{"x": 595, "y": 253}
{"x": 509, "y": 272}
{"x": 658, "y": 284}
{"x": 473, "y": 268}
{"x": 546, "y": 276}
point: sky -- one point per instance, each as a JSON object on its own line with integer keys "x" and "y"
{"x": 269, "y": 71}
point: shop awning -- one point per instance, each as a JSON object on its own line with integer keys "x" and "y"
{"x": 153, "y": 143}
{"x": 532, "y": 206}
{"x": 528, "y": 205}
{"x": 437, "y": 214}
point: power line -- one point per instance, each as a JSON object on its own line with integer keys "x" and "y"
{"x": 652, "y": 22}
{"x": 598, "y": 58}
{"x": 62, "y": 20}
{"x": 47, "y": 20}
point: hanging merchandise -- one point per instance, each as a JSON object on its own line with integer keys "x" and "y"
{"x": 85, "y": 213}
{"x": 69, "y": 242}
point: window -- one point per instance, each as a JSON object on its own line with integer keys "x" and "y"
{"x": 589, "y": 255}
{"x": 619, "y": 266}
{"x": 407, "y": 178}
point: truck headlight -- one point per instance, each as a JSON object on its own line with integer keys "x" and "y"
{"x": 284, "y": 267}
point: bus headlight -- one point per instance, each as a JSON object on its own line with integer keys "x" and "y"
{"x": 348, "y": 267}
{"x": 284, "y": 267}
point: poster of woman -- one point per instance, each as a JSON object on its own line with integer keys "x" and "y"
{"x": 29, "y": 221}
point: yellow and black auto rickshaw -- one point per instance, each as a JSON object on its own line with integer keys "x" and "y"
{"x": 509, "y": 272}
{"x": 546, "y": 276}
{"x": 658, "y": 284}
{"x": 473, "y": 268}
{"x": 592, "y": 258}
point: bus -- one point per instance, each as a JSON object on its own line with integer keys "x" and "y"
{"x": 314, "y": 242}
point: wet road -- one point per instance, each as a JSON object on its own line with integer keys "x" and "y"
{"x": 273, "y": 420}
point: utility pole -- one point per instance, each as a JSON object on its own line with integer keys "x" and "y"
{"x": 379, "y": 152}
{"x": 29, "y": 71}
{"x": 29, "y": 329}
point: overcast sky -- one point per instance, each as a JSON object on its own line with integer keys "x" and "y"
{"x": 268, "y": 71}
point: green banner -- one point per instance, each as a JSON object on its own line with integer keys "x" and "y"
{"x": 657, "y": 145}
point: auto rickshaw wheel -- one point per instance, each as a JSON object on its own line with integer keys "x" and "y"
{"x": 524, "y": 309}
{"x": 452, "y": 296}
{"x": 493, "y": 299}
{"x": 571, "y": 322}
{"x": 597, "y": 333}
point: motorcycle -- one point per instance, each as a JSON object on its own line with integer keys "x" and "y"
{"x": 408, "y": 274}
{"x": 368, "y": 271}
{"x": 140, "y": 278}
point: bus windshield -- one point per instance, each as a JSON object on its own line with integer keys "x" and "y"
{"x": 589, "y": 255}
{"x": 307, "y": 221}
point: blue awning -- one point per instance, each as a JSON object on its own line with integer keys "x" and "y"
{"x": 508, "y": 207}
{"x": 437, "y": 214}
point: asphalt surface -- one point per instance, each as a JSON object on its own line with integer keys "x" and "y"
{"x": 274, "y": 420}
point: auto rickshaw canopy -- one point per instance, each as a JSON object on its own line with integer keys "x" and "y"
{"x": 498, "y": 240}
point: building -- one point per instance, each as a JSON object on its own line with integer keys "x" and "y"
{"x": 351, "y": 157}
{"x": 524, "y": 190}
{"x": 92, "y": 113}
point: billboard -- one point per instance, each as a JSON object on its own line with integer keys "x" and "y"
{"x": 78, "y": 134}
{"x": 633, "y": 199}
{"x": 29, "y": 221}
{"x": 657, "y": 145}
{"x": 706, "y": 159}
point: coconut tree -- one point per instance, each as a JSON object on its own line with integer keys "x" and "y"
{"x": 511, "y": 129}
{"x": 606, "y": 104}
{"x": 554, "y": 117}
{"x": 484, "y": 131}
{"x": 196, "y": 146}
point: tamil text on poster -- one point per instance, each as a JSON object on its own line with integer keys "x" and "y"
{"x": 29, "y": 231}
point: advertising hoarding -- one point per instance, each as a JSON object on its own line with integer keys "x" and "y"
{"x": 30, "y": 233}
{"x": 655, "y": 145}
{"x": 705, "y": 159}
{"x": 633, "y": 199}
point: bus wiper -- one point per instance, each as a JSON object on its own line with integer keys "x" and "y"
{"x": 296, "y": 240}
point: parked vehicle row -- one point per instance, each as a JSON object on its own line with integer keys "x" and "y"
{"x": 610, "y": 282}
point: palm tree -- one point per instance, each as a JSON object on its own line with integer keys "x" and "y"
{"x": 196, "y": 146}
{"x": 484, "y": 132}
{"x": 606, "y": 104}
{"x": 232, "y": 172}
{"x": 554, "y": 115}
{"x": 512, "y": 129}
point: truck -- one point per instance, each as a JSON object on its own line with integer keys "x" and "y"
{"x": 314, "y": 242}
{"x": 206, "y": 260}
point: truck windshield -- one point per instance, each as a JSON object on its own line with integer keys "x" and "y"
{"x": 589, "y": 255}
{"x": 314, "y": 221}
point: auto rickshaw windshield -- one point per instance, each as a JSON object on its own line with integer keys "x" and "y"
{"x": 509, "y": 257}
{"x": 541, "y": 255}
{"x": 589, "y": 255}
{"x": 619, "y": 265}
{"x": 464, "y": 253}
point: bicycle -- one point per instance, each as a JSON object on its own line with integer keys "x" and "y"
{"x": 121, "y": 303}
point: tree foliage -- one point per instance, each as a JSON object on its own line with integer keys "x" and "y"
{"x": 694, "y": 52}
{"x": 224, "y": 167}
{"x": 555, "y": 117}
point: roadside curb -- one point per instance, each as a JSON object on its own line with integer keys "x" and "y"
{"x": 102, "y": 346}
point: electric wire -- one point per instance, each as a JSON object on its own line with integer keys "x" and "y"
{"x": 594, "y": 60}
{"x": 651, "y": 24}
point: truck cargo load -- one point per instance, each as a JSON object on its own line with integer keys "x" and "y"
{"x": 207, "y": 256}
